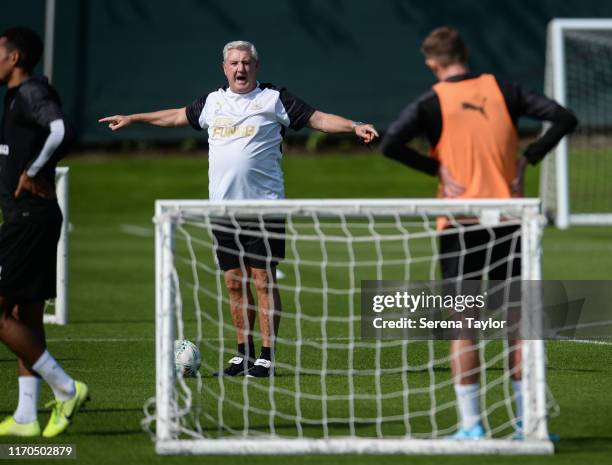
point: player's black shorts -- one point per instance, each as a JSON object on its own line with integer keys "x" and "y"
{"x": 28, "y": 257}
{"x": 253, "y": 243}
{"x": 469, "y": 253}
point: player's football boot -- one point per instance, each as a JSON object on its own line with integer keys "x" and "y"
{"x": 64, "y": 410}
{"x": 237, "y": 367}
{"x": 261, "y": 369}
{"x": 9, "y": 427}
{"x": 476, "y": 432}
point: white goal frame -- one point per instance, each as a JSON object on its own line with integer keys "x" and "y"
{"x": 555, "y": 167}
{"x": 168, "y": 213}
{"x": 59, "y": 316}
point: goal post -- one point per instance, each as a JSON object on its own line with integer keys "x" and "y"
{"x": 56, "y": 311}
{"x": 334, "y": 392}
{"x": 574, "y": 180}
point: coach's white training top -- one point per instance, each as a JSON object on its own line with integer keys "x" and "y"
{"x": 245, "y": 132}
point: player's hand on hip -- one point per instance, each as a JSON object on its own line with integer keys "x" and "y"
{"x": 36, "y": 186}
{"x": 452, "y": 189}
{"x": 116, "y": 122}
{"x": 366, "y": 132}
{"x": 517, "y": 186}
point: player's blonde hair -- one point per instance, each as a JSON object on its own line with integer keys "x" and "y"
{"x": 240, "y": 45}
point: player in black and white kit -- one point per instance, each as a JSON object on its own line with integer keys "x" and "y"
{"x": 32, "y": 139}
{"x": 246, "y": 122}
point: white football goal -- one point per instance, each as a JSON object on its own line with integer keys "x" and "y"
{"x": 56, "y": 311}
{"x": 575, "y": 185}
{"x": 333, "y": 392}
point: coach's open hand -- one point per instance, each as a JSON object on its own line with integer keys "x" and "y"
{"x": 36, "y": 186}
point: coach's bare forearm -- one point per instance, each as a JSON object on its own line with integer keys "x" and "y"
{"x": 171, "y": 118}
{"x": 327, "y": 122}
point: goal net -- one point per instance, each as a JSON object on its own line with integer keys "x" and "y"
{"x": 333, "y": 391}
{"x": 56, "y": 310}
{"x": 575, "y": 183}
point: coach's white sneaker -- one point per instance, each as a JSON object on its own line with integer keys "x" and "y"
{"x": 238, "y": 366}
{"x": 261, "y": 369}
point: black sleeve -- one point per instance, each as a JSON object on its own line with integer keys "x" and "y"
{"x": 422, "y": 117}
{"x": 524, "y": 102}
{"x": 42, "y": 104}
{"x": 299, "y": 112}
{"x": 193, "y": 112}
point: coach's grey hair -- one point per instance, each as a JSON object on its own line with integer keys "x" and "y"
{"x": 240, "y": 45}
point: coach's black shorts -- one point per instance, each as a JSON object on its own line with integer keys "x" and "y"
{"x": 252, "y": 243}
{"x": 28, "y": 257}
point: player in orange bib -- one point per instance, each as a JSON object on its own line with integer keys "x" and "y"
{"x": 470, "y": 121}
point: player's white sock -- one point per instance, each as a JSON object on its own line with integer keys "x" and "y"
{"x": 27, "y": 408}
{"x": 468, "y": 398}
{"x": 518, "y": 398}
{"x": 55, "y": 376}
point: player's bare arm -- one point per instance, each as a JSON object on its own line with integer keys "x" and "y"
{"x": 172, "y": 118}
{"x": 327, "y": 122}
{"x": 517, "y": 184}
{"x": 452, "y": 189}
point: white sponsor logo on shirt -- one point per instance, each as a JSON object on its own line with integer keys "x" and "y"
{"x": 4, "y": 149}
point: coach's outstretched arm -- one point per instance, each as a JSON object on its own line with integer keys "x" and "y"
{"x": 172, "y": 118}
{"x": 327, "y": 122}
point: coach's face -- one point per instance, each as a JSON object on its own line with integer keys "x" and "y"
{"x": 240, "y": 69}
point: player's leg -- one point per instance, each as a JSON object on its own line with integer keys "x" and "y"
{"x": 34, "y": 358}
{"x": 18, "y": 337}
{"x": 463, "y": 258}
{"x": 29, "y": 380}
{"x": 266, "y": 251}
{"x": 515, "y": 364}
{"x": 506, "y": 255}
{"x": 21, "y": 341}
{"x": 34, "y": 279}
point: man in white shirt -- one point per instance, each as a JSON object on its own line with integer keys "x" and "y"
{"x": 246, "y": 122}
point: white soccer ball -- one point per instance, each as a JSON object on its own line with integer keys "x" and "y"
{"x": 187, "y": 358}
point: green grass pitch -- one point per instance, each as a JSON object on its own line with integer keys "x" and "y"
{"x": 109, "y": 341}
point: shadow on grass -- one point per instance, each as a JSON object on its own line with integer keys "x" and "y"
{"x": 128, "y": 432}
{"x": 574, "y": 370}
{"x": 335, "y": 428}
{"x": 59, "y": 359}
{"x": 593, "y": 444}
{"x": 120, "y": 322}
{"x": 111, "y": 410}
